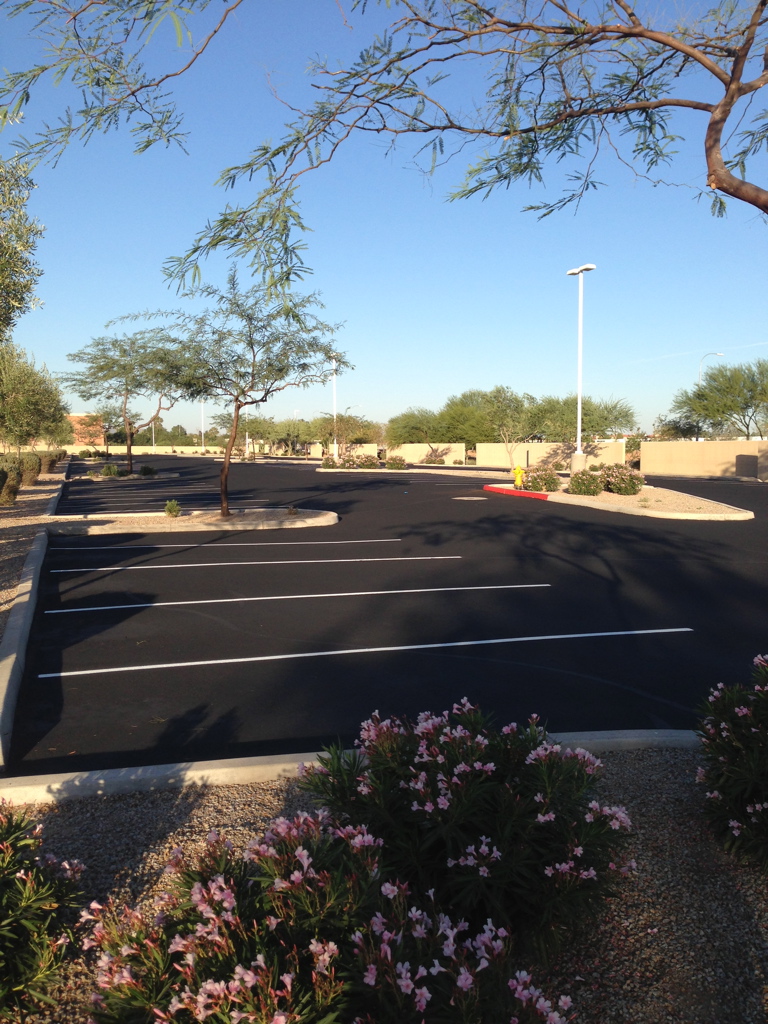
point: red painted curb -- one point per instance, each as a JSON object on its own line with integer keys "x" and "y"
{"x": 518, "y": 494}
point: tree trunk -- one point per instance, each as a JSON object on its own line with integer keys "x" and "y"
{"x": 227, "y": 458}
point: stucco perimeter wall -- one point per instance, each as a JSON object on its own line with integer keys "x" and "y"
{"x": 494, "y": 456}
{"x": 416, "y": 453}
{"x": 705, "y": 458}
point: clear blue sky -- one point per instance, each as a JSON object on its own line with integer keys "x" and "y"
{"x": 436, "y": 297}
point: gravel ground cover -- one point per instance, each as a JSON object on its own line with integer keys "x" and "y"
{"x": 686, "y": 942}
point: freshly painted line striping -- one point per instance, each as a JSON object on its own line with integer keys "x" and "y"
{"x": 287, "y": 561}
{"x": 291, "y": 597}
{"x": 219, "y": 544}
{"x": 356, "y": 650}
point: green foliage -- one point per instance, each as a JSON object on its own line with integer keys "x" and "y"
{"x": 541, "y": 478}
{"x": 369, "y": 461}
{"x": 85, "y": 453}
{"x": 729, "y": 399}
{"x": 147, "y": 470}
{"x": 35, "y": 890}
{"x": 31, "y": 466}
{"x": 396, "y": 462}
{"x": 48, "y": 461}
{"x": 117, "y": 371}
{"x": 110, "y": 470}
{"x": 433, "y": 460}
{"x": 19, "y": 235}
{"x": 328, "y": 462}
{"x": 12, "y": 483}
{"x": 414, "y": 426}
{"x": 511, "y": 816}
{"x": 3, "y": 478}
{"x": 733, "y": 730}
{"x": 172, "y": 508}
{"x": 585, "y": 482}
{"x": 30, "y": 399}
{"x": 622, "y": 479}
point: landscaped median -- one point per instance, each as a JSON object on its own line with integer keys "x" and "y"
{"x": 656, "y": 502}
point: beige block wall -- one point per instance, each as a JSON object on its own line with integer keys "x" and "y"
{"x": 416, "y": 453}
{"x": 705, "y": 458}
{"x": 525, "y": 454}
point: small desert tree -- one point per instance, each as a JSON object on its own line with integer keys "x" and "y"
{"x": 122, "y": 370}
{"x": 247, "y": 347}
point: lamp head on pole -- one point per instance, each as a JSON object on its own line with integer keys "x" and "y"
{"x": 581, "y": 270}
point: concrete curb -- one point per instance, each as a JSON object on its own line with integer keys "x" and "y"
{"x": 13, "y": 647}
{"x": 242, "y": 771}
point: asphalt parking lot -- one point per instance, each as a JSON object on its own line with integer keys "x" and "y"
{"x": 152, "y": 649}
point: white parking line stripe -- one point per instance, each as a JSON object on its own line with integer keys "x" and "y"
{"x": 287, "y": 561}
{"x": 357, "y": 650}
{"x": 291, "y": 597}
{"x": 221, "y": 544}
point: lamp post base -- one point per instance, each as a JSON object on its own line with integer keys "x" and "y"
{"x": 578, "y": 462}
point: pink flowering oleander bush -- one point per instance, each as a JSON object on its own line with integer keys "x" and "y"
{"x": 368, "y": 461}
{"x": 541, "y": 478}
{"x": 621, "y": 479}
{"x": 328, "y": 462}
{"x": 348, "y": 462}
{"x": 586, "y": 482}
{"x": 734, "y": 736}
{"x": 35, "y": 893}
{"x": 302, "y": 928}
{"x": 500, "y": 824}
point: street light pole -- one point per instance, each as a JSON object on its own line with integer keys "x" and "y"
{"x": 701, "y": 361}
{"x": 579, "y": 460}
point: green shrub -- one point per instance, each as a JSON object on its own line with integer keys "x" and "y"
{"x": 110, "y": 470}
{"x": 733, "y": 730}
{"x": 147, "y": 471}
{"x": 3, "y": 477}
{"x": 585, "y": 482}
{"x": 511, "y": 815}
{"x": 12, "y": 484}
{"x": 541, "y": 478}
{"x": 30, "y": 468}
{"x": 368, "y": 461}
{"x": 172, "y": 508}
{"x": 596, "y": 467}
{"x": 123, "y": 472}
{"x": 622, "y": 479}
{"x": 458, "y": 462}
{"x": 94, "y": 474}
{"x": 559, "y": 467}
{"x": 328, "y": 462}
{"x": 433, "y": 460}
{"x": 48, "y": 461}
{"x": 34, "y": 893}
{"x": 85, "y": 453}
{"x": 396, "y": 462}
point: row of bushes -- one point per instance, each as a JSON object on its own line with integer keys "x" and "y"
{"x": 112, "y": 470}
{"x": 448, "y": 853}
{"x": 617, "y": 479}
{"x": 22, "y": 470}
{"x": 373, "y": 462}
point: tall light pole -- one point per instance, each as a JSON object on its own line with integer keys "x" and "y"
{"x": 202, "y": 426}
{"x": 701, "y": 361}
{"x": 579, "y": 460}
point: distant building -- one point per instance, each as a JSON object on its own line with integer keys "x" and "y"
{"x": 86, "y": 430}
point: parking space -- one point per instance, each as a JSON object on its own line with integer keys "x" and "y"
{"x": 160, "y": 648}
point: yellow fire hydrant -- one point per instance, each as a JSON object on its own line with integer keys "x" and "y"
{"x": 519, "y": 477}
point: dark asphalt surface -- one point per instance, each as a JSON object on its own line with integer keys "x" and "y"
{"x": 153, "y": 604}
